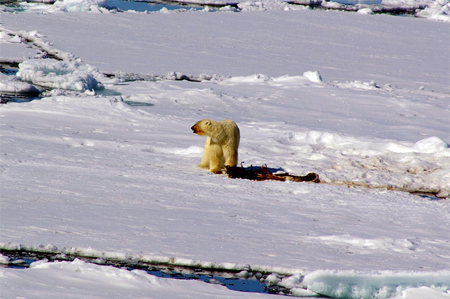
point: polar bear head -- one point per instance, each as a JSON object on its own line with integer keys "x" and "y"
{"x": 202, "y": 127}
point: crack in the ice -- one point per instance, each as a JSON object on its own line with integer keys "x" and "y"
{"x": 238, "y": 280}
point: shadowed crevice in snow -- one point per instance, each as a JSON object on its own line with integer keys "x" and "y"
{"x": 55, "y": 253}
{"x": 12, "y": 89}
{"x": 237, "y": 280}
{"x": 175, "y": 76}
{"x": 319, "y": 283}
{"x": 34, "y": 39}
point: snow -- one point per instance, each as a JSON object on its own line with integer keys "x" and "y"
{"x": 339, "y": 53}
{"x": 111, "y": 172}
{"x": 381, "y": 285}
{"x": 13, "y": 85}
{"x": 62, "y": 6}
{"x": 438, "y": 10}
{"x": 79, "y": 5}
{"x": 422, "y": 292}
{"x": 78, "y": 279}
{"x": 313, "y": 76}
{"x": 9, "y": 50}
{"x": 365, "y": 11}
{"x": 268, "y": 5}
{"x": 60, "y": 75}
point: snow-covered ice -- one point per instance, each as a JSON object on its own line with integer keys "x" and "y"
{"x": 433, "y": 9}
{"x": 438, "y": 10}
{"x": 111, "y": 172}
{"x": 342, "y": 52}
{"x": 78, "y": 279}
{"x": 380, "y": 285}
{"x": 60, "y": 75}
{"x": 13, "y": 85}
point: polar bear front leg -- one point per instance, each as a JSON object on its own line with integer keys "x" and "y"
{"x": 215, "y": 158}
{"x": 205, "y": 157}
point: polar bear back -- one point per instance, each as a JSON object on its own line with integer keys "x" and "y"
{"x": 227, "y": 132}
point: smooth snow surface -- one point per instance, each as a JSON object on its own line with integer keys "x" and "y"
{"x": 106, "y": 166}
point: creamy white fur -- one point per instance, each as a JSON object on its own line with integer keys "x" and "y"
{"x": 222, "y": 143}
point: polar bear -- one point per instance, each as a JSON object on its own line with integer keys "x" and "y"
{"x": 222, "y": 142}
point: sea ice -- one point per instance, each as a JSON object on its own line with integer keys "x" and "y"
{"x": 88, "y": 174}
{"x": 350, "y": 284}
{"x": 79, "y": 5}
{"x": 14, "y": 86}
{"x": 69, "y": 75}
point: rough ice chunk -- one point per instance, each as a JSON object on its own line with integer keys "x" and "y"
{"x": 365, "y": 11}
{"x": 79, "y": 5}
{"x": 13, "y": 85}
{"x": 313, "y": 76}
{"x": 59, "y": 74}
{"x": 430, "y": 145}
{"x": 386, "y": 284}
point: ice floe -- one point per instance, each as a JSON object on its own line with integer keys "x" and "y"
{"x": 12, "y": 85}
{"x": 70, "y": 75}
{"x": 90, "y": 174}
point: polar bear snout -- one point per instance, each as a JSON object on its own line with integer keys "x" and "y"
{"x": 196, "y": 129}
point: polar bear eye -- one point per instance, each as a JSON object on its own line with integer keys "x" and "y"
{"x": 207, "y": 123}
